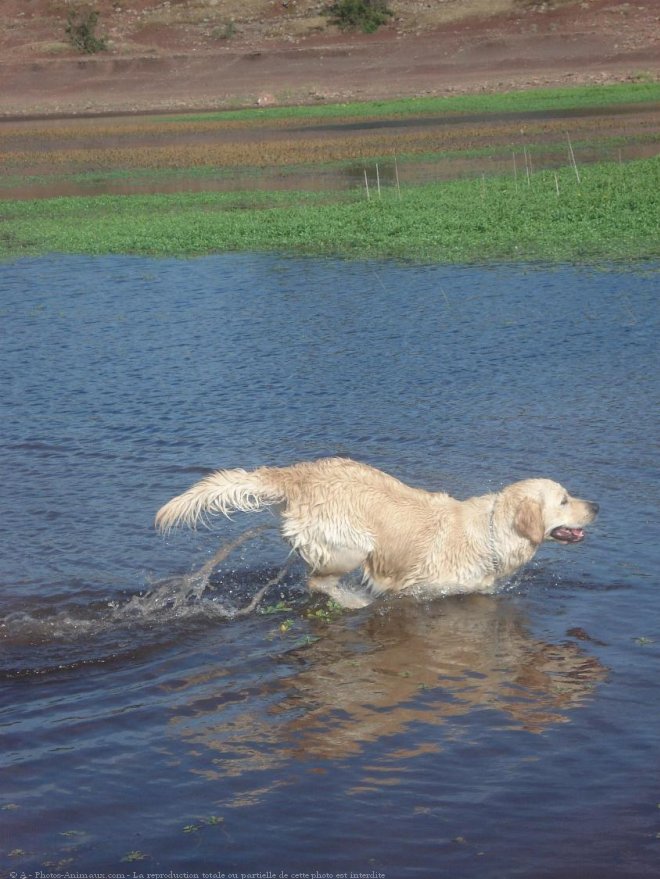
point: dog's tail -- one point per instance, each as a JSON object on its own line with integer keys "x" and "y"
{"x": 222, "y": 492}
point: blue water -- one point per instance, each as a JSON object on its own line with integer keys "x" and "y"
{"x": 144, "y": 727}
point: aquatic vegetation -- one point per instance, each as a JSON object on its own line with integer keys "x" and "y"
{"x": 279, "y": 607}
{"x": 329, "y": 611}
{"x": 154, "y": 149}
{"x": 134, "y": 856}
{"x": 324, "y": 147}
{"x": 280, "y": 180}
{"x": 613, "y": 213}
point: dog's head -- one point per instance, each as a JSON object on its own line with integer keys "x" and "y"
{"x": 544, "y": 510}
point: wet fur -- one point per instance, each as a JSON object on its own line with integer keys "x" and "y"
{"x": 339, "y": 515}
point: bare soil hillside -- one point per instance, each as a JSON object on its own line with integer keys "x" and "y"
{"x": 185, "y": 54}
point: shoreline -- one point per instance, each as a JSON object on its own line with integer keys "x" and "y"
{"x": 94, "y": 100}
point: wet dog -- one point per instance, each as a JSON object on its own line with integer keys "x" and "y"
{"x": 340, "y": 515}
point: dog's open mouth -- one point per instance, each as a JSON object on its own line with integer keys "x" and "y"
{"x": 563, "y": 534}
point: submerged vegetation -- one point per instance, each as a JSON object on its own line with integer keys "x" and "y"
{"x": 514, "y": 200}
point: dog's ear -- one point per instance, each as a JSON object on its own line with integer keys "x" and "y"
{"x": 529, "y": 522}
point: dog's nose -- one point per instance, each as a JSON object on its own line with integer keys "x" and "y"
{"x": 594, "y": 507}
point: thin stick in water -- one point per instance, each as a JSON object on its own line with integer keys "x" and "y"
{"x": 515, "y": 171}
{"x": 527, "y": 164}
{"x": 396, "y": 174}
{"x": 572, "y": 155}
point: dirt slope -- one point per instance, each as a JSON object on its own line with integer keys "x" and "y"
{"x": 175, "y": 54}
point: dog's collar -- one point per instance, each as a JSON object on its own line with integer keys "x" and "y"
{"x": 495, "y": 561}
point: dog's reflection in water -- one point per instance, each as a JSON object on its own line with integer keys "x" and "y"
{"x": 378, "y": 673}
{"x": 431, "y": 662}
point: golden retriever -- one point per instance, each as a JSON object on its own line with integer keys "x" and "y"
{"x": 339, "y": 515}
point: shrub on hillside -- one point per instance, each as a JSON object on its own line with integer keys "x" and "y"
{"x": 366, "y": 15}
{"x": 81, "y": 30}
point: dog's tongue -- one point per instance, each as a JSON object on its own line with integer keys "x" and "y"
{"x": 568, "y": 535}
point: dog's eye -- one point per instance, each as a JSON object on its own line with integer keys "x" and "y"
{"x": 564, "y": 500}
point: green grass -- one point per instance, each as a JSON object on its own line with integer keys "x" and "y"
{"x": 530, "y": 100}
{"x": 614, "y": 213}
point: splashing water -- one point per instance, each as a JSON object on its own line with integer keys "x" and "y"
{"x": 100, "y": 631}
{"x": 181, "y": 596}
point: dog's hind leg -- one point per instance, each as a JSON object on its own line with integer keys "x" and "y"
{"x": 329, "y": 585}
{"x": 326, "y": 577}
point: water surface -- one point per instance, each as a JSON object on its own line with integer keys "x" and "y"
{"x": 511, "y": 735}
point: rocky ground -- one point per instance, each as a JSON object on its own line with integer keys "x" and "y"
{"x": 186, "y": 54}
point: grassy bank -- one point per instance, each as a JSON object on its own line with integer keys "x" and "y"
{"x": 159, "y": 154}
{"x": 612, "y": 212}
{"x": 526, "y": 101}
{"x": 262, "y": 159}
